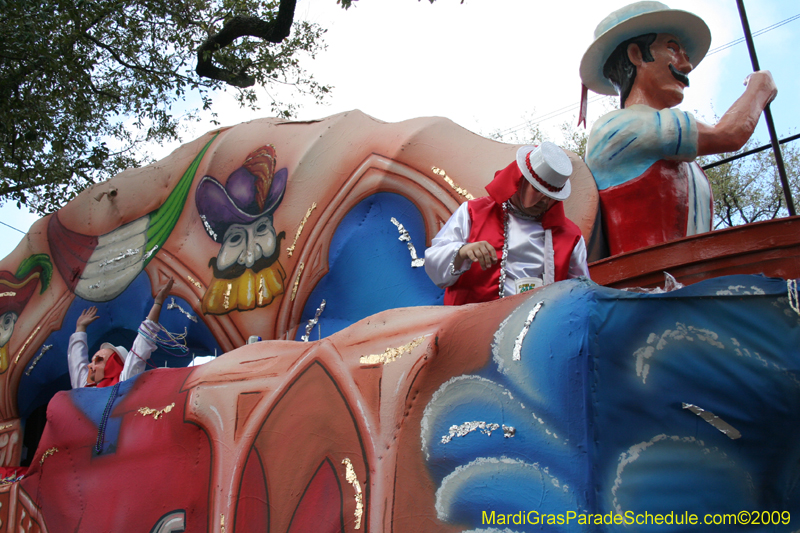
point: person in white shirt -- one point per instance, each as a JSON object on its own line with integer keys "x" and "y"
{"x": 112, "y": 364}
{"x": 516, "y": 239}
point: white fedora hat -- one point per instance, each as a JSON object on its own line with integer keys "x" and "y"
{"x": 634, "y": 20}
{"x": 547, "y": 168}
{"x": 121, "y": 351}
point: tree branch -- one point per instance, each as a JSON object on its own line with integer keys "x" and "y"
{"x": 6, "y": 190}
{"x": 241, "y": 26}
{"x": 133, "y": 66}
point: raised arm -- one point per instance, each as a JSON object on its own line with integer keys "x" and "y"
{"x": 87, "y": 317}
{"x": 78, "y": 349}
{"x": 738, "y": 123}
{"x": 162, "y": 294}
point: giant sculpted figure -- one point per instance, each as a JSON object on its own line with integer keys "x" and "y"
{"x": 643, "y": 155}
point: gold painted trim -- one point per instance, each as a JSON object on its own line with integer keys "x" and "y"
{"x": 350, "y": 476}
{"x": 390, "y": 354}
{"x": 27, "y": 342}
{"x": 157, "y": 413}
{"x": 460, "y": 190}
{"x": 290, "y": 250}
{"x": 226, "y": 298}
{"x": 297, "y": 279}
{"x": 47, "y": 454}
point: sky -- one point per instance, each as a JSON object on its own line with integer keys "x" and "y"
{"x": 495, "y": 65}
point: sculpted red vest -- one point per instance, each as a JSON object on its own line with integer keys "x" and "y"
{"x": 477, "y": 285}
{"x": 648, "y": 210}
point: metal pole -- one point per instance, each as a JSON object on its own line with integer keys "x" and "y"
{"x": 749, "y": 152}
{"x": 773, "y": 137}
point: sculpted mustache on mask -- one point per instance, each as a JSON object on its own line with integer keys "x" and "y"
{"x": 236, "y": 270}
{"x": 680, "y": 76}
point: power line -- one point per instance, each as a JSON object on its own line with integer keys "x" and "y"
{"x": 552, "y": 114}
{"x": 572, "y": 107}
{"x": 12, "y": 227}
{"x": 759, "y": 32}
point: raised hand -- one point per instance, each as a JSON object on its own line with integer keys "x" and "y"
{"x": 163, "y": 292}
{"x": 87, "y": 317}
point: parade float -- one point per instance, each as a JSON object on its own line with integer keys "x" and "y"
{"x": 341, "y": 395}
{"x": 379, "y": 409}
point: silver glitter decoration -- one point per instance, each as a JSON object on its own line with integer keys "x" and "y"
{"x": 173, "y": 305}
{"x": 405, "y": 237}
{"x": 453, "y": 261}
{"x": 313, "y": 322}
{"x": 151, "y": 252}
{"x": 36, "y": 360}
{"x": 94, "y": 285}
{"x": 791, "y": 291}
{"x": 502, "y": 289}
{"x": 714, "y": 420}
{"x": 486, "y": 428}
{"x": 210, "y": 231}
{"x": 517, "y": 353}
{"x": 129, "y": 252}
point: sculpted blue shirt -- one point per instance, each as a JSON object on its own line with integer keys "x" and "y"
{"x": 625, "y": 143}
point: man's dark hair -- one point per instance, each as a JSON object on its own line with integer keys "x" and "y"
{"x": 620, "y": 71}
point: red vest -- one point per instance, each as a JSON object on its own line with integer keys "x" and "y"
{"x": 648, "y": 210}
{"x": 477, "y": 285}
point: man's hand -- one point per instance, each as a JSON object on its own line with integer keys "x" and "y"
{"x": 87, "y": 317}
{"x": 481, "y": 252}
{"x": 163, "y": 292}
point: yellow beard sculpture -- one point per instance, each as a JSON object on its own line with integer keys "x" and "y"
{"x": 248, "y": 291}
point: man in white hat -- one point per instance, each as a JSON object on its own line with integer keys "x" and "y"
{"x": 516, "y": 239}
{"x": 643, "y": 155}
{"x": 112, "y": 364}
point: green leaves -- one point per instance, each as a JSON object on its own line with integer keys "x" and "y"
{"x": 749, "y": 189}
{"x": 85, "y": 84}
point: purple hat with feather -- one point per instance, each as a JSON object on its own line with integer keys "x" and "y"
{"x": 252, "y": 191}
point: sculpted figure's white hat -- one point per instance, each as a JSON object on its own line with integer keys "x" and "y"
{"x": 634, "y": 20}
{"x": 547, "y": 168}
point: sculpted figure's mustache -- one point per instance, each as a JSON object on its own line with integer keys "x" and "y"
{"x": 680, "y": 76}
{"x": 236, "y": 270}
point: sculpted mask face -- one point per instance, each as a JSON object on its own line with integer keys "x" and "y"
{"x": 246, "y": 244}
{"x": 663, "y": 79}
{"x": 247, "y": 273}
{"x": 7, "y": 322}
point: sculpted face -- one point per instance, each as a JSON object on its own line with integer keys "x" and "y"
{"x": 246, "y": 244}
{"x": 7, "y": 322}
{"x": 530, "y": 201}
{"x": 247, "y": 273}
{"x": 663, "y": 79}
{"x": 97, "y": 368}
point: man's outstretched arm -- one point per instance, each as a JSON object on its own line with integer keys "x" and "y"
{"x": 739, "y": 122}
